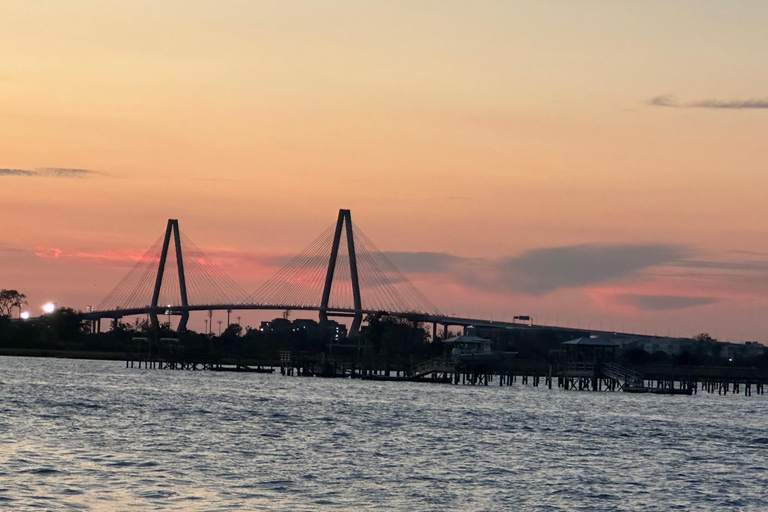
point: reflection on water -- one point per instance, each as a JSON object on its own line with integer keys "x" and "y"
{"x": 93, "y": 435}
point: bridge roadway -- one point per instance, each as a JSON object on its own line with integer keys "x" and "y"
{"x": 435, "y": 320}
{"x": 446, "y": 321}
{"x": 443, "y": 320}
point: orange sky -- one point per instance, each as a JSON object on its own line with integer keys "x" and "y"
{"x": 521, "y": 138}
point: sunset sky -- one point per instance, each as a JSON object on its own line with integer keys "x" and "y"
{"x": 593, "y": 164}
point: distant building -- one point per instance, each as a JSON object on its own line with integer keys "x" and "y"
{"x": 652, "y": 344}
{"x": 755, "y": 349}
{"x": 310, "y": 327}
{"x": 278, "y": 324}
{"x": 671, "y": 346}
{"x": 339, "y": 330}
{"x": 747, "y": 349}
{"x": 304, "y": 324}
{"x": 676, "y": 346}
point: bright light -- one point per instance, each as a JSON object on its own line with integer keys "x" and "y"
{"x": 25, "y": 315}
{"x": 49, "y": 307}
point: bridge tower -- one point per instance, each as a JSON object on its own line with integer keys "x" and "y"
{"x": 344, "y": 219}
{"x": 172, "y": 228}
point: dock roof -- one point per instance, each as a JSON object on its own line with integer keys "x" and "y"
{"x": 466, "y": 338}
{"x": 591, "y": 342}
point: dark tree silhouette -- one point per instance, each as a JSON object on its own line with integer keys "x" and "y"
{"x": 10, "y": 300}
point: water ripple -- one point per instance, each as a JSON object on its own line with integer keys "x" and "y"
{"x": 74, "y": 439}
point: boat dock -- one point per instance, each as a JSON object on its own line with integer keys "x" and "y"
{"x": 604, "y": 377}
{"x": 501, "y": 370}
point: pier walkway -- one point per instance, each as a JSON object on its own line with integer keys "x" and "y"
{"x": 573, "y": 376}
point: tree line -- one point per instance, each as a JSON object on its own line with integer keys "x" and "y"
{"x": 388, "y": 340}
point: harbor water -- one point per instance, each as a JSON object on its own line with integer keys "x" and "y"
{"x": 94, "y": 435}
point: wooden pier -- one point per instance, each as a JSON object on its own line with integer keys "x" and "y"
{"x": 570, "y": 377}
{"x": 168, "y": 354}
{"x": 574, "y": 376}
{"x": 665, "y": 380}
{"x": 158, "y": 364}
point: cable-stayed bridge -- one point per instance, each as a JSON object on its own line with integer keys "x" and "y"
{"x": 340, "y": 274}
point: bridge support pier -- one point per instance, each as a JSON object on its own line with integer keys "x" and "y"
{"x": 153, "y": 320}
{"x": 344, "y": 219}
{"x": 183, "y": 322}
{"x": 356, "y": 321}
{"x": 172, "y": 228}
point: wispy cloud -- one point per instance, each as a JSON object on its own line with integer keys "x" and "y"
{"x": 750, "y": 253}
{"x": 732, "y": 104}
{"x": 48, "y": 252}
{"x": 664, "y": 302}
{"x": 665, "y": 100}
{"x": 620, "y": 266}
{"x": 668, "y": 100}
{"x": 423, "y": 262}
{"x": 725, "y": 265}
{"x": 634, "y": 273}
{"x": 17, "y": 172}
{"x": 50, "y": 172}
{"x": 543, "y": 270}
{"x": 12, "y": 250}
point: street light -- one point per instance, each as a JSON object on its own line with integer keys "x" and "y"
{"x": 24, "y": 315}
{"x": 219, "y": 322}
{"x": 49, "y": 307}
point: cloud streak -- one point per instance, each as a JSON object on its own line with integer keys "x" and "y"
{"x": 664, "y": 302}
{"x": 12, "y": 250}
{"x": 633, "y": 272}
{"x": 760, "y": 266}
{"x": 423, "y": 262}
{"x": 540, "y": 271}
{"x": 50, "y": 172}
{"x": 622, "y": 267}
{"x": 668, "y": 100}
{"x": 544, "y": 270}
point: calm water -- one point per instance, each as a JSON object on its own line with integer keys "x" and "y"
{"x": 92, "y": 435}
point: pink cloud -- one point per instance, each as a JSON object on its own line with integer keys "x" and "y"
{"x": 125, "y": 255}
{"x": 48, "y": 252}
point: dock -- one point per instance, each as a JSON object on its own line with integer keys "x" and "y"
{"x": 572, "y": 376}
